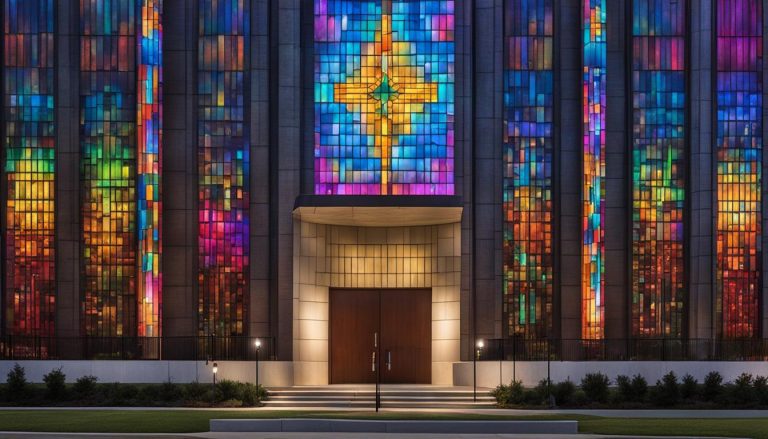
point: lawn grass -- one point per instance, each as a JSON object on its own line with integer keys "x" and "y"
{"x": 190, "y": 421}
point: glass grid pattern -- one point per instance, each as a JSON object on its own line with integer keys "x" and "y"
{"x": 593, "y": 161}
{"x": 108, "y": 165}
{"x": 739, "y": 146}
{"x": 528, "y": 155}
{"x": 384, "y": 97}
{"x": 224, "y": 162}
{"x": 28, "y": 116}
{"x": 658, "y": 167}
{"x": 149, "y": 125}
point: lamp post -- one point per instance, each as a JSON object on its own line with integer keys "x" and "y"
{"x": 480, "y": 344}
{"x": 257, "y": 343}
{"x": 215, "y": 371}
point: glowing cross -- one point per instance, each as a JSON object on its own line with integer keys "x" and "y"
{"x": 384, "y": 92}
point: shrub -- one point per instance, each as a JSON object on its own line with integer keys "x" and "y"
{"x": 667, "y": 390}
{"x": 149, "y": 394}
{"x": 742, "y": 391}
{"x": 85, "y": 385}
{"x": 760, "y": 384}
{"x": 639, "y": 387}
{"x": 55, "y": 384}
{"x": 713, "y": 386}
{"x": 689, "y": 387}
{"x": 196, "y": 392}
{"x": 544, "y": 389}
{"x": 595, "y": 387}
{"x": 624, "y": 387}
{"x": 564, "y": 392}
{"x": 120, "y": 394}
{"x": 251, "y": 395}
{"x": 16, "y": 383}
{"x": 507, "y": 395}
{"x": 169, "y": 392}
{"x": 227, "y": 390}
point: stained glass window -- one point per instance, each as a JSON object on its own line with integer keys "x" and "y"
{"x": 108, "y": 157}
{"x": 149, "y": 121}
{"x": 658, "y": 166}
{"x": 593, "y": 162}
{"x": 739, "y": 165}
{"x": 528, "y": 149}
{"x": 384, "y": 97}
{"x": 224, "y": 161}
{"x": 28, "y": 116}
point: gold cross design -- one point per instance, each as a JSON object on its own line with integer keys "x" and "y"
{"x": 386, "y": 90}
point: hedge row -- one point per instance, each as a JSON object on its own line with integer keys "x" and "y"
{"x": 87, "y": 391}
{"x": 596, "y": 390}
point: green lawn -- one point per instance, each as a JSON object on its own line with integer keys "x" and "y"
{"x": 189, "y": 421}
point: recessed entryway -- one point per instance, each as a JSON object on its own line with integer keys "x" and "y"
{"x": 386, "y": 328}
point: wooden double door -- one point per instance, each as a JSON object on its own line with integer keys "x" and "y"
{"x": 387, "y": 328}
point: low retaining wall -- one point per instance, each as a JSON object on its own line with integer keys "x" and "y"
{"x": 491, "y": 373}
{"x": 393, "y": 426}
{"x": 271, "y": 373}
{"x": 281, "y": 374}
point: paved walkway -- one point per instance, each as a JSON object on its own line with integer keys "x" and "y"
{"x": 667, "y": 414}
{"x": 15, "y": 435}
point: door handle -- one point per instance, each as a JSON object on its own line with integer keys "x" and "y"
{"x": 373, "y": 361}
{"x": 389, "y": 360}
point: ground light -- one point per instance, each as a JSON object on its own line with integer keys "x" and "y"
{"x": 480, "y": 345}
{"x": 257, "y": 343}
{"x": 215, "y": 371}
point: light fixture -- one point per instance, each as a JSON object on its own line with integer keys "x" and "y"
{"x": 480, "y": 344}
{"x": 257, "y": 343}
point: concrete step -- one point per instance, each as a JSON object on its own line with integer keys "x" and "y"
{"x": 372, "y": 396}
{"x": 393, "y": 396}
{"x": 387, "y": 404}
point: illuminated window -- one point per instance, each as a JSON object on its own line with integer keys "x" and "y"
{"x": 120, "y": 128}
{"x": 528, "y": 148}
{"x": 28, "y": 116}
{"x": 149, "y": 166}
{"x": 739, "y": 165}
{"x": 384, "y": 99}
{"x": 658, "y": 166}
{"x": 108, "y": 139}
{"x": 593, "y": 183}
{"x": 224, "y": 161}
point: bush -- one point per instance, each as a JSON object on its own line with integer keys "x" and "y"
{"x": 667, "y": 390}
{"x": 595, "y": 387}
{"x": 564, "y": 392}
{"x": 170, "y": 392}
{"x": 227, "y": 390}
{"x": 742, "y": 391}
{"x": 508, "y": 395}
{"x": 16, "y": 384}
{"x": 196, "y": 392}
{"x": 544, "y": 389}
{"x": 624, "y": 387}
{"x": 760, "y": 384}
{"x": 713, "y": 386}
{"x": 689, "y": 388}
{"x": 85, "y": 386}
{"x": 120, "y": 394}
{"x": 639, "y": 387}
{"x": 55, "y": 384}
{"x": 252, "y": 395}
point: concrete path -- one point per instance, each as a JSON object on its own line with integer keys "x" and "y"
{"x": 667, "y": 414}
{"x": 16, "y": 435}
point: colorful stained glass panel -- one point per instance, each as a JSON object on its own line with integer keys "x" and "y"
{"x": 528, "y": 153}
{"x": 28, "y": 118}
{"x": 384, "y": 97}
{"x": 658, "y": 167}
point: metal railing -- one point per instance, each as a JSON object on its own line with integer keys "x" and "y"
{"x": 641, "y": 349}
{"x": 234, "y": 348}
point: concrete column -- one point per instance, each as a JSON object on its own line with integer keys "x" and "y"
{"x": 487, "y": 178}
{"x": 287, "y": 150}
{"x": 464, "y": 155}
{"x": 259, "y": 303}
{"x": 67, "y": 102}
{"x": 701, "y": 251}
{"x": 179, "y": 183}
{"x": 617, "y": 175}
{"x": 568, "y": 164}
